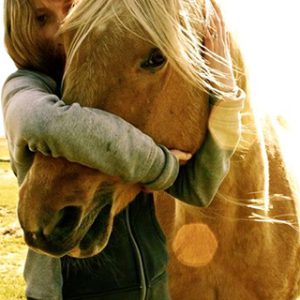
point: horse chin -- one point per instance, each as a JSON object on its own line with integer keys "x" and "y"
{"x": 95, "y": 240}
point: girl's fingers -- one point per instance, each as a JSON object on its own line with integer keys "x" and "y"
{"x": 209, "y": 43}
{"x": 217, "y": 19}
{"x": 217, "y": 41}
{"x": 217, "y": 10}
{"x": 182, "y": 157}
{"x": 216, "y": 7}
{"x": 217, "y": 32}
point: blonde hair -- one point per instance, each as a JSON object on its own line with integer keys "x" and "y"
{"x": 23, "y": 41}
{"x": 174, "y": 26}
{"x": 20, "y": 35}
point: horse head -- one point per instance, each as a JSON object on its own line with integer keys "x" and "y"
{"x": 134, "y": 60}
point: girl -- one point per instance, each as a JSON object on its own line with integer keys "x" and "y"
{"x": 37, "y": 120}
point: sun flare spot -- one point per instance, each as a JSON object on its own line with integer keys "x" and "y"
{"x": 195, "y": 245}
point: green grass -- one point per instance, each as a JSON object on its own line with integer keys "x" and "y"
{"x": 12, "y": 247}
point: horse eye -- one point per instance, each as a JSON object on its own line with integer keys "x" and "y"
{"x": 155, "y": 60}
{"x": 42, "y": 19}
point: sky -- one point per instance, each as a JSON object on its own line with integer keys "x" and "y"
{"x": 268, "y": 33}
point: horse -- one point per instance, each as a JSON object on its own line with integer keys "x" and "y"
{"x": 245, "y": 245}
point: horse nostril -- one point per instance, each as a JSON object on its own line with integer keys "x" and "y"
{"x": 31, "y": 238}
{"x": 63, "y": 221}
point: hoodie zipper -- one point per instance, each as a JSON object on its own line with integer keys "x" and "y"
{"x": 143, "y": 285}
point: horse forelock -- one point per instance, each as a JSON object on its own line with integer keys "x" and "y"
{"x": 176, "y": 27}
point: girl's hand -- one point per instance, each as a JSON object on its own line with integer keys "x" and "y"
{"x": 182, "y": 157}
{"x": 217, "y": 41}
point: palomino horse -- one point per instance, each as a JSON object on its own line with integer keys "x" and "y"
{"x": 219, "y": 252}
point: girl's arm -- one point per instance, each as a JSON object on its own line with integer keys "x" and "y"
{"x": 200, "y": 179}
{"x": 37, "y": 120}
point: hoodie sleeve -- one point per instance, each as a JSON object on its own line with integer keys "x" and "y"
{"x": 36, "y": 119}
{"x": 199, "y": 180}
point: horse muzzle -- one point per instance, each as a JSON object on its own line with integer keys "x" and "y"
{"x": 66, "y": 208}
{"x": 69, "y": 231}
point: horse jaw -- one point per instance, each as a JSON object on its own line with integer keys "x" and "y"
{"x": 69, "y": 208}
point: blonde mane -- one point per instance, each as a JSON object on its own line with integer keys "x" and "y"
{"x": 176, "y": 27}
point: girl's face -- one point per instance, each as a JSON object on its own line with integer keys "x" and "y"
{"x": 49, "y": 14}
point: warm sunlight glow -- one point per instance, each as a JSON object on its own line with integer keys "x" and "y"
{"x": 268, "y": 32}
